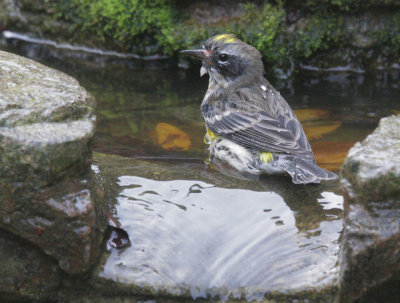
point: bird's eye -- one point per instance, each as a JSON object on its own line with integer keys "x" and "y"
{"x": 222, "y": 57}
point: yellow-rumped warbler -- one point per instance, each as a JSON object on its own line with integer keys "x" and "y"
{"x": 250, "y": 127}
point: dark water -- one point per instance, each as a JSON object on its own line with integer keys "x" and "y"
{"x": 156, "y": 113}
{"x": 195, "y": 231}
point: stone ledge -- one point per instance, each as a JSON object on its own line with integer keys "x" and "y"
{"x": 370, "y": 253}
{"x": 47, "y": 124}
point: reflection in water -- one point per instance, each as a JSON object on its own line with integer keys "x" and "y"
{"x": 190, "y": 236}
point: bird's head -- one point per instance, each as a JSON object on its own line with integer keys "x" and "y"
{"x": 228, "y": 60}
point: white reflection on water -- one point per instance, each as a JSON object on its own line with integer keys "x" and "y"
{"x": 189, "y": 236}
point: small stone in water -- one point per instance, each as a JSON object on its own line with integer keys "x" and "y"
{"x": 119, "y": 238}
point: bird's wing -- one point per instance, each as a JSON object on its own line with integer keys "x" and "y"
{"x": 258, "y": 130}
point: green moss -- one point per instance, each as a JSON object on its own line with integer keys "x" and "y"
{"x": 260, "y": 26}
{"x": 128, "y": 22}
{"x": 343, "y": 5}
{"x": 390, "y": 36}
{"x": 168, "y": 26}
{"x": 321, "y": 32}
{"x": 265, "y": 31}
{"x": 157, "y": 26}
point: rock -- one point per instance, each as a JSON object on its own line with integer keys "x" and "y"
{"x": 46, "y": 129}
{"x": 373, "y": 167}
{"x": 31, "y": 16}
{"x": 26, "y": 273}
{"x": 46, "y": 123}
{"x": 370, "y": 256}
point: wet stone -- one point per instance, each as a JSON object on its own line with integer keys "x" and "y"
{"x": 26, "y": 273}
{"x": 46, "y": 129}
{"x": 61, "y": 220}
{"x": 118, "y": 238}
{"x": 195, "y": 233}
{"x": 370, "y": 257}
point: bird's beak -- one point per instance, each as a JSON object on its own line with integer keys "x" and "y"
{"x": 201, "y": 54}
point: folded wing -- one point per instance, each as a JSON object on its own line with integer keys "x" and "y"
{"x": 259, "y": 130}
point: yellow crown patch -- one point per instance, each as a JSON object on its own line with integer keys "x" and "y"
{"x": 226, "y": 38}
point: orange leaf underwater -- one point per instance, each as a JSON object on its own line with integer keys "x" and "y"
{"x": 330, "y": 155}
{"x": 171, "y": 137}
{"x": 315, "y": 130}
{"x": 310, "y": 114}
{"x": 315, "y": 123}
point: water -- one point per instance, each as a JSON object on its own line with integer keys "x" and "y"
{"x": 190, "y": 236}
{"x": 195, "y": 232}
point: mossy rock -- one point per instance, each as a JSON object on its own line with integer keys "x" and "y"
{"x": 46, "y": 130}
{"x": 288, "y": 35}
{"x": 370, "y": 178}
{"x": 46, "y": 123}
{"x": 372, "y": 167}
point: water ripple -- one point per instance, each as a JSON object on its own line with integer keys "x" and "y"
{"x": 208, "y": 241}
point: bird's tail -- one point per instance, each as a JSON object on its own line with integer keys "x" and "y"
{"x": 301, "y": 170}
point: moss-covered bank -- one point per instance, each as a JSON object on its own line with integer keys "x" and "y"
{"x": 355, "y": 33}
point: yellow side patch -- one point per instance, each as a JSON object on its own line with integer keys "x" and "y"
{"x": 209, "y": 136}
{"x": 266, "y": 157}
{"x": 227, "y": 38}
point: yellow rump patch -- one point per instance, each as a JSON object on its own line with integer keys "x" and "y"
{"x": 227, "y": 38}
{"x": 209, "y": 136}
{"x": 266, "y": 157}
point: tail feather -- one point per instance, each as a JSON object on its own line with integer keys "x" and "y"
{"x": 303, "y": 171}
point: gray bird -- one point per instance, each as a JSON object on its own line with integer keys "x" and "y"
{"x": 250, "y": 127}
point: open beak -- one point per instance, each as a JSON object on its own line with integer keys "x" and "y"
{"x": 196, "y": 53}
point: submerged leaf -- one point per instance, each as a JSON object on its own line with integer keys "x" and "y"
{"x": 310, "y": 114}
{"x": 315, "y": 130}
{"x": 171, "y": 137}
{"x": 330, "y": 155}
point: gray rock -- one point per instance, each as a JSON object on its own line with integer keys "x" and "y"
{"x": 46, "y": 122}
{"x": 372, "y": 167}
{"x": 46, "y": 128}
{"x": 370, "y": 256}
